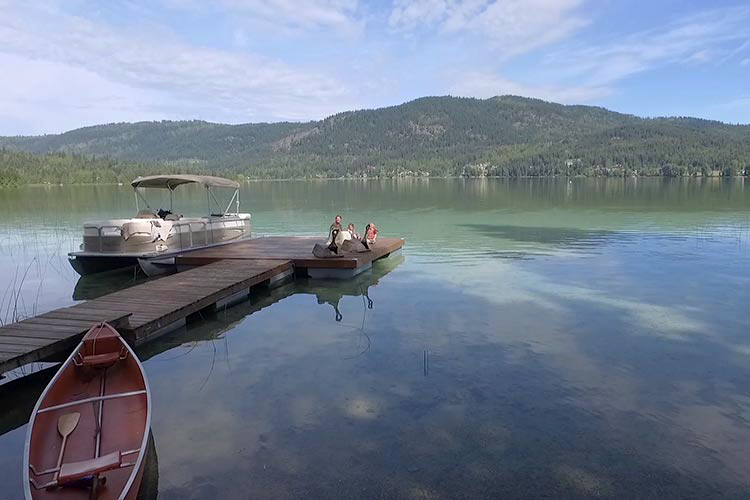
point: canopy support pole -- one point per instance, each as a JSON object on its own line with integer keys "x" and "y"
{"x": 218, "y": 205}
{"x": 137, "y": 195}
{"x": 236, "y": 196}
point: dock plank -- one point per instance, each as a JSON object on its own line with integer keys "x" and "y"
{"x": 17, "y": 348}
{"x": 22, "y": 340}
{"x": 61, "y": 321}
{"x": 34, "y": 333}
{"x": 23, "y": 325}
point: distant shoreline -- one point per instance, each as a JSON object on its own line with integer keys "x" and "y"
{"x": 413, "y": 177}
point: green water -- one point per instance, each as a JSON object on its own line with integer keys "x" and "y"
{"x": 538, "y": 339}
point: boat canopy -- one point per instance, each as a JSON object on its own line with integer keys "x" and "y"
{"x": 172, "y": 181}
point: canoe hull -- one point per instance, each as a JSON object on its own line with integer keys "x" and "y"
{"x": 108, "y": 394}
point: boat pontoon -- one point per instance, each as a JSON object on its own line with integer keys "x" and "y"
{"x": 152, "y": 239}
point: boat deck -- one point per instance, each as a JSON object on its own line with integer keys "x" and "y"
{"x": 216, "y": 278}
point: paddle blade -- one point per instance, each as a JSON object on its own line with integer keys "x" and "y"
{"x": 67, "y": 423}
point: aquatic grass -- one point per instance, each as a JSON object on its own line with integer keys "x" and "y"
{"x": 16, "y": 296}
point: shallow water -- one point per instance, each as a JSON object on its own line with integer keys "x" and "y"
{"x": 538, "y": 339}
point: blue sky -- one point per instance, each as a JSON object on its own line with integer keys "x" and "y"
{"x": 67, "y": 64}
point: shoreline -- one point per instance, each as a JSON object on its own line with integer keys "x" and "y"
{"x": 410, "y": 177}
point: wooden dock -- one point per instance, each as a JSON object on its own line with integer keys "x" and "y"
{"x": 215, "y": 277}
{"x": 139, "y": 313}
{"x": 298, "y": 250}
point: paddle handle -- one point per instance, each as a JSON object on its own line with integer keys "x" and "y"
{"x": 60, "y": 457}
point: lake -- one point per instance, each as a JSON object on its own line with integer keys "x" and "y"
{"x": 536, "y": 339}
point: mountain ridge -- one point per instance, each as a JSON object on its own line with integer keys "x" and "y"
{"x": 443, "y": 135}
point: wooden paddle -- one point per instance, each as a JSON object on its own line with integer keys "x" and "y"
{"x": 66, "y": 424}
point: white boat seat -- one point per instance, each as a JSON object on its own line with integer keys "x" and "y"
{"x": 145, "y": 214}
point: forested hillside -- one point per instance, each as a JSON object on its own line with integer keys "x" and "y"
{"x": 503, "y": 136}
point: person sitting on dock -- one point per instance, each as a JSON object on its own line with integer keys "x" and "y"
{"x": 336, "y": 226}
{"x": 345, "y": 242}
{"x": 353, "y": 232}
{"x": 371, "y": 233}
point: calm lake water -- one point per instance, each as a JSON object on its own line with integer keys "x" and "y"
{"x": 538, "y": 339}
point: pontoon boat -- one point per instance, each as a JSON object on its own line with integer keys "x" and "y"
{"x": 152, "y": 239}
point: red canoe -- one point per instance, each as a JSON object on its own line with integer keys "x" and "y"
{"x": 89, "y": 431}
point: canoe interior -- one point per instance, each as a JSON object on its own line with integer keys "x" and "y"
{"x": 124, "y": 421}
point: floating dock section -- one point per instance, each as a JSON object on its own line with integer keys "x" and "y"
{"x": 299, "y": 251}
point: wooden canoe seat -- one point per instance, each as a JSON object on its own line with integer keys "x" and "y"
{"x": 78, "y": 470}
{"x": 101, "y": 360}
{"x": 101, "y": 348}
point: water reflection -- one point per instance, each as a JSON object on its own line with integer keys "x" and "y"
{"x": 500, "y": 416}
{"x": 557, "y": 236}
{"x": 93, "y": 286}
{"x": 615, "y": 372}
{"x": 149, "y": 489}
{"x": 18, "y": 397}
{"x": 331, "y": 292}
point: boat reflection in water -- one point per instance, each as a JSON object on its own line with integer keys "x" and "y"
{"x": 93, "y": 286}
{"x": 150, "y": 482}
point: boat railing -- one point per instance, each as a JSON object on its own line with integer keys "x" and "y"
{"x": 99, "y": 232}
{"x": 175, "y": 229}
{"x": 190, "y": 231}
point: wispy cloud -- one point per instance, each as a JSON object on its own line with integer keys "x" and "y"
{"x": 696, "y": 38}
{"x": 513, "y": 27}
{"x": 585, "y": 73}
{"x": 341, "y": 16}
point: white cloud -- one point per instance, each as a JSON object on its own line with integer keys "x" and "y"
{"x": 409, "y": 15}
{"x": 483, "y": 85}
{"x": 745, "y": 62}
{"x": 512, "y": 26}
{"x": 42, "y": 96}
{"x": 340, "y": 16}
{"x": 192, "y": 81}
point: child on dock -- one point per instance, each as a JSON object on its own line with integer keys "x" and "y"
{"x": 353, "y": 232}
{"x": 371, "y": 233}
